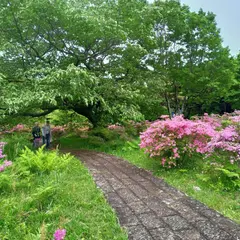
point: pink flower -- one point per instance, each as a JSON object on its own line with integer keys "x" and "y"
{"x": 226, "y": 140}
{"x": 58, "y": 129}
{"x": 115, "y": 127}
{"x": 2, "y": 155}
{"x": 175, "y": 150}
{"x": 60, "y": 234}
{"x": 176, "y": 155}
{"x": 208, "y": 134}
{"x": 164, "y": 116}
{"x": 170, "y": 134}
{"x": 2, "y": 144}
{"x": 17, "y": 128}
{"x": 163, "y": 161}
{"x": 7, "y": 163}
{"x": 232, "y": 161}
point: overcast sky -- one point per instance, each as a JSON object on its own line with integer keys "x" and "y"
{"x": 227, "y": 17}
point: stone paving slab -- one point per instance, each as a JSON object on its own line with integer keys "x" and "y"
{"x": 149, "y": 208}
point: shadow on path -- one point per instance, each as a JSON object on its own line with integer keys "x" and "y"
{"x": 151, "y": 209}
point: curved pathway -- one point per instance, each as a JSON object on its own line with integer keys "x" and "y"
{"x": 151, "y": 209}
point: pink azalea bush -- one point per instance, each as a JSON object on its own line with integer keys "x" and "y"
{"x": 220, "y": 122}
{"x": 133, "y": 128}
{"x": 172, "y": 138}
{"x": 164, "y": 116}
{"x": 17, "y": 128}
{"x": 235, "y": 117}
{"x": 2, "y": 144}
{"x": 60, "y": 234}
{"x": 114, "y": 131}
{"x": 226, "y": 141}
{"x": 58, "y": 131}
{"x": 214, "y": 120}
{"x": 6, "y": 163}
{"x": 115, "y": 127}
{"x": 223, "y": 154}
{"x": 140, "y": 126}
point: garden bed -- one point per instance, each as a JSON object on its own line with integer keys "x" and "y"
{"x": 45, "y": 191}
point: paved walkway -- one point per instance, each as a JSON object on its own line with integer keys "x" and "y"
{"x": 151, "y": 209}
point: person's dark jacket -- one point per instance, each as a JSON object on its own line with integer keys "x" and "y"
{"x": 36, "y": 132}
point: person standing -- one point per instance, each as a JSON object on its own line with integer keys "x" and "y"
{"x": 46, "y": 134}
{"x": 36, "y": 133}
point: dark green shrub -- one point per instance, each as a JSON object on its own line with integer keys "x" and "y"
{"x": 134, "y": 129}
{"x": 95, "y": 141}
{"x": 131, "y": 130}
{"x": 104, "y": 133}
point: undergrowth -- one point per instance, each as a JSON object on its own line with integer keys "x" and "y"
{"x": 43, "y": 191}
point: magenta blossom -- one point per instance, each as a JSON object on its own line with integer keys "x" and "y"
{"x": 58, "y": 129}
{"x": 2, "y": 168}
{"x": 1, "y": 154}
{"x": 7, "y": 163}
{"x": 60, "y": 234}
{"x": 18, "y": 128}
{"x": 227, "y": 140}
{"x": 2, "y": 144}
{"x": 164, "y": 116}
{"x": 172, "y": 138}
{"x": 115, "y": 127}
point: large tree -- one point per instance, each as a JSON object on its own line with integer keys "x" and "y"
{"x": 70, "y": 55}
{"x": 188, "y": 57}
{"x": 109, "y": 60}
{"x": 231, "y": 100}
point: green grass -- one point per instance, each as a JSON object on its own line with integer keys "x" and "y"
{"x": 34, "y": 206}
{"x": 226, "y": 203}
{"x": 16, "y": 142}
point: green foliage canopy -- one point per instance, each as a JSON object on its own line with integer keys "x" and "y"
{"x": 109, "y": 60}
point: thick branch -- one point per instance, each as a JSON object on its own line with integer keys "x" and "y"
{"x": 40, "y": 114}
{"x": 30, "y": 114}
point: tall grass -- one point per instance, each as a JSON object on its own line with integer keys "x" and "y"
{"x": 43, "y": 191}
{"x": 16, "y": 142}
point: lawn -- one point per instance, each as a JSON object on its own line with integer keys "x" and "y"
{"x": 186, "y": 180}
{"x": 38, "y": 199}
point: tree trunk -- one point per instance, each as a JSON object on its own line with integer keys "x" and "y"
{"x": 90, "y": 112}
{"x": 168, "y": 105}
{"x": 184, "y": 105}
{"x": 177, "y": 107}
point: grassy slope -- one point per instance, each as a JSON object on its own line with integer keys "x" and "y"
{"x": 228, "y": 203}
{"x": 47, "y": 202}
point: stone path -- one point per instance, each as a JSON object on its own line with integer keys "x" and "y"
{"x": 151, "y": 209}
